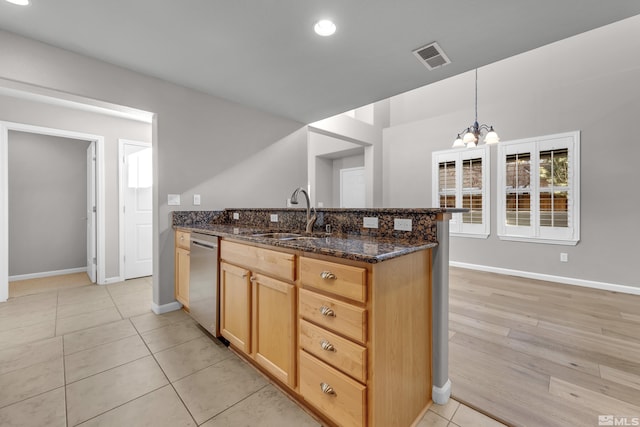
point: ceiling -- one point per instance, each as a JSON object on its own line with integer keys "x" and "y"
{"x": 264, "y": 53}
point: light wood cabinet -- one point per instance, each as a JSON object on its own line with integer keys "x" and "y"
{"x": 338, "y": 397}
{"x": 351, "y": 340}
{"x": 339, "y": 279}
{"x": 274, "y": 321}
{"x": 258, "y": 306}
{"x": 181, "y": 280}
{"x": 235, "y": 306}
{"x": 365, "y": 339}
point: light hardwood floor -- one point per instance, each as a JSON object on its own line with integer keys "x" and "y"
{"x": 534, "y": 353}
{"x": 46, "y": 284}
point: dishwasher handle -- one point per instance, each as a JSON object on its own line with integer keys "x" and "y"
{"x": 205, "y": 245}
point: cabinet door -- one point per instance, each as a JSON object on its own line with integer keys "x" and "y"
{"x": 235, "y": 306}
{"x": 182, "y": 276}
{"x": 274, "y": 311}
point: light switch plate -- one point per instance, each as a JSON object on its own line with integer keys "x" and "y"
{"x": 173, "y": 199}
{"x": 236, "y": 215}
{"x": 370, "y": 222}
{"x": 196, "y": 200}
{"x": 402, "y": 224}
{"x": 274, "y": 217}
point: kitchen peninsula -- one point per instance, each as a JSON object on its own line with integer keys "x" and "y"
{"x": 350, "y": 321}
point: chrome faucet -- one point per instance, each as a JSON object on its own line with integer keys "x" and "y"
{"x": 310, "y": 219}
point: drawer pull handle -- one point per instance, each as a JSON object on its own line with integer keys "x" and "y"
{"x": 327, "y": 389}
{"x": 326, "y": 345}
{"x": 327, "y": 275}
{"x": 327, "y": 312}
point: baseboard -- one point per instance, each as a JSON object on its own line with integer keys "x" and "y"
{"x": 441, "y": 395}
{"x": 613, "y": 287}
{"x": 111, "y": 280}
{"x": 47, "y": 274}
{"x": 165, "y": 308}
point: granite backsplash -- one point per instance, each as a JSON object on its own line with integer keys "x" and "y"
{"x": 341, "y": 221}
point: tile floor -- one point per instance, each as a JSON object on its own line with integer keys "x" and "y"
{"x": 97, "y": 356}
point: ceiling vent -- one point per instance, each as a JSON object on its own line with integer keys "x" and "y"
{"x": 432, "y": 56}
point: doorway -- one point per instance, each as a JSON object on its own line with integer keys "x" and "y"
{"x": 98, "y": 177}
{"x": 136, "y": 209}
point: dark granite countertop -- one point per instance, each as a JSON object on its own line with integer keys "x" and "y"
{"x": 355, "y": 247}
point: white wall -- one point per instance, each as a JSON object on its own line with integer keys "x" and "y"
{"x": 587, "y": 83}
{"x": 200, "y": 142}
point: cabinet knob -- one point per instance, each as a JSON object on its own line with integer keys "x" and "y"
{"x": 327, "y": 275}
{"x": 326, "y": 345}
{"x": 327, "y": 312}
{"x": 253, "y": 278}
{"x": 327, "y": 389}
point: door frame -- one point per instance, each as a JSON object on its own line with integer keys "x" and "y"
{"x": 5, "y": 127}
{"x": 121, "y": 190}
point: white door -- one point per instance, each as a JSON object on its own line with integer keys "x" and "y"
{"x": 352, "y": 188}
{"x": 137, "y": 188}
{"x": 91, "y": 211}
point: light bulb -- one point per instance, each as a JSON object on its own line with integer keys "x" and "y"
{"x": 492, "y": 137}
{"x": 458, "y": 143}
{"x": 324, "y": 28}
{"x": 469, "y": 137}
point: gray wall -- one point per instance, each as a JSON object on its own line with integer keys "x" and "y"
{"x": 556, "y": 88}
{"x": 111, "y": 128}
{"x": 201, "y": 143}
{"x": 47, "y": 203}
{"x": 324, "y": 182}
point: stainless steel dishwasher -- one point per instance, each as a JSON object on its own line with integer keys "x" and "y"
{"x": 203, "y": 281}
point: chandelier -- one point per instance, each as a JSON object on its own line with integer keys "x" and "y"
{"x": 470, "y": 136}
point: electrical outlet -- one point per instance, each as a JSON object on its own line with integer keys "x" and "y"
{"x": 370, "y": 222}
{"x": 196, "y": 200}
{"x": 236, "y": 215}
{"x": 564, "y": 257}
{"x": 274, "y": 217}
{"x": 402, "y": 224}
{"x": 173, "y": 199}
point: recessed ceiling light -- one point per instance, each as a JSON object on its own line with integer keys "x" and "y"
{"x": 19, "y": 2}
{"x": 324, "y": 28}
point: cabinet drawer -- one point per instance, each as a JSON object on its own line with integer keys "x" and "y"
{"x": 344, "y": 280}
{"x": 339, "y": 352}
{"x": 183, "y": 239}
{"x": 335, "y": 394}
{"x": 274, "y": 263}
{"x": 345, "y": 319}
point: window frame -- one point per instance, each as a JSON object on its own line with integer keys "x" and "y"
{"x": 534, "y": 232}
{"x": 456, "y": 226}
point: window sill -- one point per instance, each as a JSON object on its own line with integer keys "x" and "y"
{"x": 471, "y": 235}
{"x": 564, "y": 242}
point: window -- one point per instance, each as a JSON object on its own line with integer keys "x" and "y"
{"x": 461, "y": 180}
{"x": 539, "y": 189}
